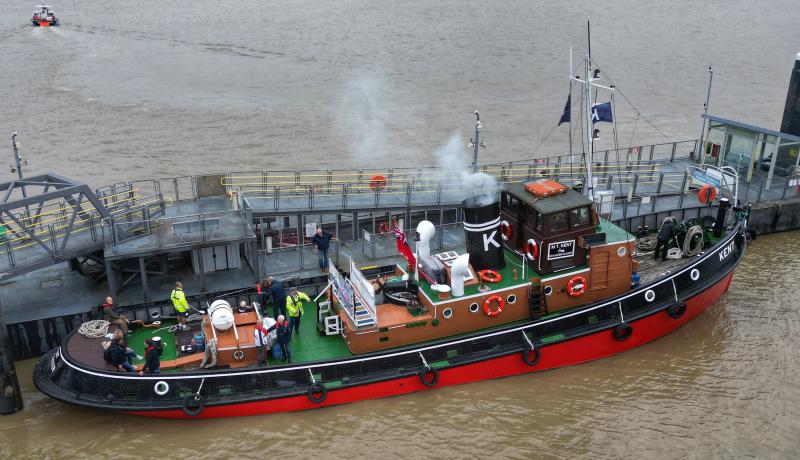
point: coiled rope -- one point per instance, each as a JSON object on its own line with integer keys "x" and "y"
{"x": 693, "y": 232}
{"x": 94, "y": 329}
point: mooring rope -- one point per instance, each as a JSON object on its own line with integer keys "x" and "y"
{"x": 94, "y": 329}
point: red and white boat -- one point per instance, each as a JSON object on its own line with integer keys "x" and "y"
{"x": 44, "y": 16}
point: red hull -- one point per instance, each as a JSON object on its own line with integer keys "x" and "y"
{"x": 575, "y": 351}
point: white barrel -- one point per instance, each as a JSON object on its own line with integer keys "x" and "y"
{"x": 221, "y": 315}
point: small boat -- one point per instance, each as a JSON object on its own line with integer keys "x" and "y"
{"x": 44, "y": 16}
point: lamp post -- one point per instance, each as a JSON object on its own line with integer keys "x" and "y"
{"x": 476, "y": 142}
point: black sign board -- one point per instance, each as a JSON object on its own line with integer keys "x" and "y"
{"x": 561, "y": 250}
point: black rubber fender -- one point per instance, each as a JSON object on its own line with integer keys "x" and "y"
{"x": 193, "y": 405}
{"x": 526, "y": 356}
{"x": 423, "y": 377}
{"x": 623, "y": 332}
{"x": 676, "y": 310}
{"x": 314, "y": 389}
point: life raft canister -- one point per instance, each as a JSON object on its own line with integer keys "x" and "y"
{"x": 490, "y": 276}
{"x": 505, "y": 230}
{"x": 707, "y": 194}
{"x": 501, "y": 304}
{"x": 531, "y": 250}
{"x": 576, "y": 286}
{"x": 377, "y": 183}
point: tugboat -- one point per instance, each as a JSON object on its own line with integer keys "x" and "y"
{"x": 44, "y": 16}
{"x": 544, "y": 281}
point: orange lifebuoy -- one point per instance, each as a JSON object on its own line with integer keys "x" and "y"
{"x": 490, "y": 276}
{"x": 501, "y": 304}
{"x": 505, "y": 230}
{"x": 377, "y": 183}
{"x": 531, "y": 250}
{"x": 707, "y": 194}
{"x": 576, "y": 286}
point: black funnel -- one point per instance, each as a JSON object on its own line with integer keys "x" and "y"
{"x": 482, "y": 229}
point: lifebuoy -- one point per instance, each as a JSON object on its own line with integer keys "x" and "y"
{"x": 161, "y": 388}
{"x": 505, "y": 230}
{"x": 707, "y": 194}
{"x": 531, "y": 250}
{"x": 490, "y": 276}
{"x": 377, "y": 183}
{"x": 423, "y": 377}
{"x": 676, "y": 310}
{"x": 527, "y": 357}
{"x": 315, "y": 388}
{"x": 576, "y": 286}
{"x": 238, "y": 355}
{"x": 193, "y": 405}
{"x": 501, "y": 304}
{"x": 623, "y": 331}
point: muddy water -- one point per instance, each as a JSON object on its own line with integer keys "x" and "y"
{"x": 725, "y": 385}
{"x": 170, "y": 88}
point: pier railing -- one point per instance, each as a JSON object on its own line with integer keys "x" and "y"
{"x": 383, "y": 245}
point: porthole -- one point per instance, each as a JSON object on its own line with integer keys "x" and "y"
{"x": 512, "y": 298}
{"x": 474, "y": 308}
{"x": 161, "y": 388}
{"x": 621, "y": 251}
{"x": 694, "y": 274}
{"x": 649, "y": 295}
{"x": 447, "y": 313}
{"x": 548, "y": 290}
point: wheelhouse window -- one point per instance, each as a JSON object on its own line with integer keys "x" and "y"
{"x": 579, "y": 217}
{"x": 557, "y": 222}
{"x": 535, "y": 219}
{"x": 510, "y": 203}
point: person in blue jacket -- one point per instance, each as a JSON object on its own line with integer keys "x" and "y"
{"x": 322, "y": 240}
{"x": 272, "y": 289}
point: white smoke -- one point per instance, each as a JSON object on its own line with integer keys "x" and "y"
{"x": 454, "y": 160}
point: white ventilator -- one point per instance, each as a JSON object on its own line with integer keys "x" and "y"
{"x": 425, "y": 230}
{"x": 221, "y": 315}
{"x": 458, "y": 271}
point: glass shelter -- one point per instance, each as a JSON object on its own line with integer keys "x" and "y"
{"x": 750, "y": 150}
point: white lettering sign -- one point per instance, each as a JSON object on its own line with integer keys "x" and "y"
{"x": 726, "y": 251}
{"x": 561, "y": 250}
{"x": 488, "y": 240}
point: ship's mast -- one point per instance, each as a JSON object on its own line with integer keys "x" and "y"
{"x": 589, "y": 75}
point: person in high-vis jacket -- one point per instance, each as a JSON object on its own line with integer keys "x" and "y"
{"x": 181, "y": 306}
{"x": 294, "y": 308}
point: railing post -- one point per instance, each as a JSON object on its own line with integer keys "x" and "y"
{"x": 652, "y": 150}
{"x": 760, "y": 189}
{"x": 683, "y": 189}
{"x": 175, "y": 187}
{"x": 672, "y": 155}
{"x": 785, "y": 187}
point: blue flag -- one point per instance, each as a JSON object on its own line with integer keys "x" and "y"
{"x": 565, "y": 117}
{"x": 602, "y": 112}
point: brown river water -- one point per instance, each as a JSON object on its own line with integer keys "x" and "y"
{"x": 725, "y": 385}
{"x": 143, "y": 89}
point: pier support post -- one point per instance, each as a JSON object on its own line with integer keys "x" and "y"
{"x": 791, "y": 111}
{"x": 10, "y": 396}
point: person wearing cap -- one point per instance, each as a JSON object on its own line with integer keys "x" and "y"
{"x": 180, "y": 304}
{"x": 294, "y": 307}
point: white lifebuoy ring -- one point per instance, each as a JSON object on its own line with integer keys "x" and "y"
{"x": 531, "y": 250}
{"x": 161, "y": 388}
{"x": 505, "y": 230}
{"x": 649, "y": 295}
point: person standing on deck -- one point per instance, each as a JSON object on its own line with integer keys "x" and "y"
{"x": 666, "y": 233}
{"x": 152, "y": 362}
{"x": 322, "y": 241}
{"x": 110, "y": 315}
{"x": 180, "y": 304}
{"x": 294, "y": 306}
{"x": 273, "y": 290}
{"x": 284, "y": 332}
{"x": 265, "y": 337}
